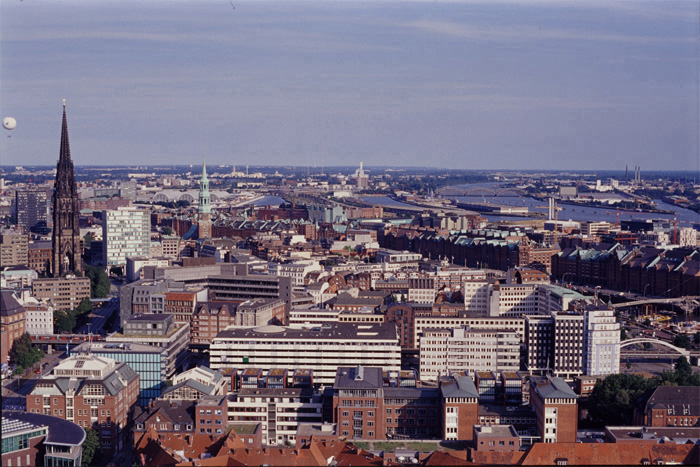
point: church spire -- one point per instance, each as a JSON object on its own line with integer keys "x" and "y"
{"x": 65, "y": 239}
{"x": 204, "y": 211}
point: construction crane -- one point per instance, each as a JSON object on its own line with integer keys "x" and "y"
{"x": 552, "y": 211}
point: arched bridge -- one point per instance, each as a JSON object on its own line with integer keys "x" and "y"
{"x": 646, "y": 340}
{"x": 689, "y": 301}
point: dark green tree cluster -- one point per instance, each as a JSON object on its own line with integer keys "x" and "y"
{"x": 682, "y": 341}
{"x": 23, "y": 353}
{"x": 65, "y": 321}
{"x": 682, "y": 374}
{"x": 99, "y": 282}
{"x": 91, "y": 447}
{"x": 613, "y": 399}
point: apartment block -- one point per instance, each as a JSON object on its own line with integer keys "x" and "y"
{"x": 278, "y": 410}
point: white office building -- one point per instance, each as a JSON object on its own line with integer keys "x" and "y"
{"x": 474, "y": 321}
{"x": 322, "y": 348}
{"x": 601, "y": 343}
{"x": 476, "y": 296}
{"x": 463, "y": 349}
{"x": 125, "y": 232}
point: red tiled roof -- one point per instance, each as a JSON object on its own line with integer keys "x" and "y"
{"x": 610, "y": 453}
{"x": 445, "y": 458}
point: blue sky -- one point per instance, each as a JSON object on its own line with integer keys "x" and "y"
{"x": 468, "y": 85}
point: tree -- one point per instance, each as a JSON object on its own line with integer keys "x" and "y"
{"x": 84, "y": 307}
{"x": 623, "y": 334}
{"x": 682, "y": 341}
{"x": 23, "y": 353}
{"x": 91, "y": 447}
{"x": 647, "y": 322}
{"x": 612, "y": 399}
{"x": 167, "y": 231}
{"x": 696, "y": 338}
{"x": 99, "y": 282}
{"x": 63, "y": 321}
{"x": 683, "y": 371}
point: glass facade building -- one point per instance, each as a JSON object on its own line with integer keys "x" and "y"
{"x": 148, "y": 361}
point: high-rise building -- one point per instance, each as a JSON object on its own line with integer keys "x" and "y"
{"x": 66, "y": 229}
{"x": 125, "y": 232}
{"x": 601, "y": 342}
{"x": 31, "y": 208}
{"x": 567, "y": 349}
{"x": 204, "y": 213}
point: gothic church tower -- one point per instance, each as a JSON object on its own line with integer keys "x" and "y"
{"x": 204, "y": 213}
{"x": 65, "y": 240}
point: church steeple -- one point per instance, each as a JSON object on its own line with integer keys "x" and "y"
{"x": 65, "y": 239}
{"x": 204, "y": 217}
{"x": 204, "y": 198}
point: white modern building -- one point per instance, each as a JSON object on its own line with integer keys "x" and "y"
{"x": 393, "y": 256}
{"x": 468, "y": 350}
{"x": 601, "y": 342}
{"x": 474, "y": 321}
{"x": 135, "y": 265}
{"x": 421, "y": 290}
{"x": 125, "y": 232}
{"x": 39, "y": 319}
{"x": 296, "y": 270}
{"x": 278, "y": 410}
{"x": 476, "y": 296}
{"x": 322, "y": 348}
{"x": 528, "y": 299}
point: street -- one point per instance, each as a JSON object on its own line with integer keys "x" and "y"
{"x": 98, "y": 317}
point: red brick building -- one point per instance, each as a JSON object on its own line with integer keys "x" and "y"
{"x": 40, "y": 257}
{"x": 209, "y": 319}
{"x": 460, "y": 408}
{"x": 93, "y": 392}
{"x": 556, "y": 409}
{"x": 12, "y": 323}
{"x": 676, "y": 406}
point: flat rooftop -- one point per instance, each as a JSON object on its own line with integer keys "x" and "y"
{"x": 334, "y": 331}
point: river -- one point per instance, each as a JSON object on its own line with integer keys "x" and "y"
{"x": 685, "y": 217}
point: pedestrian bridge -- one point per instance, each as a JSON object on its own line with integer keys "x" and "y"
{"x": 647, "y": 340}
{"x": 680, "y": 301}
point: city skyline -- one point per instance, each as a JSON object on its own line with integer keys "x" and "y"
{"x": 467, "y": 85}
